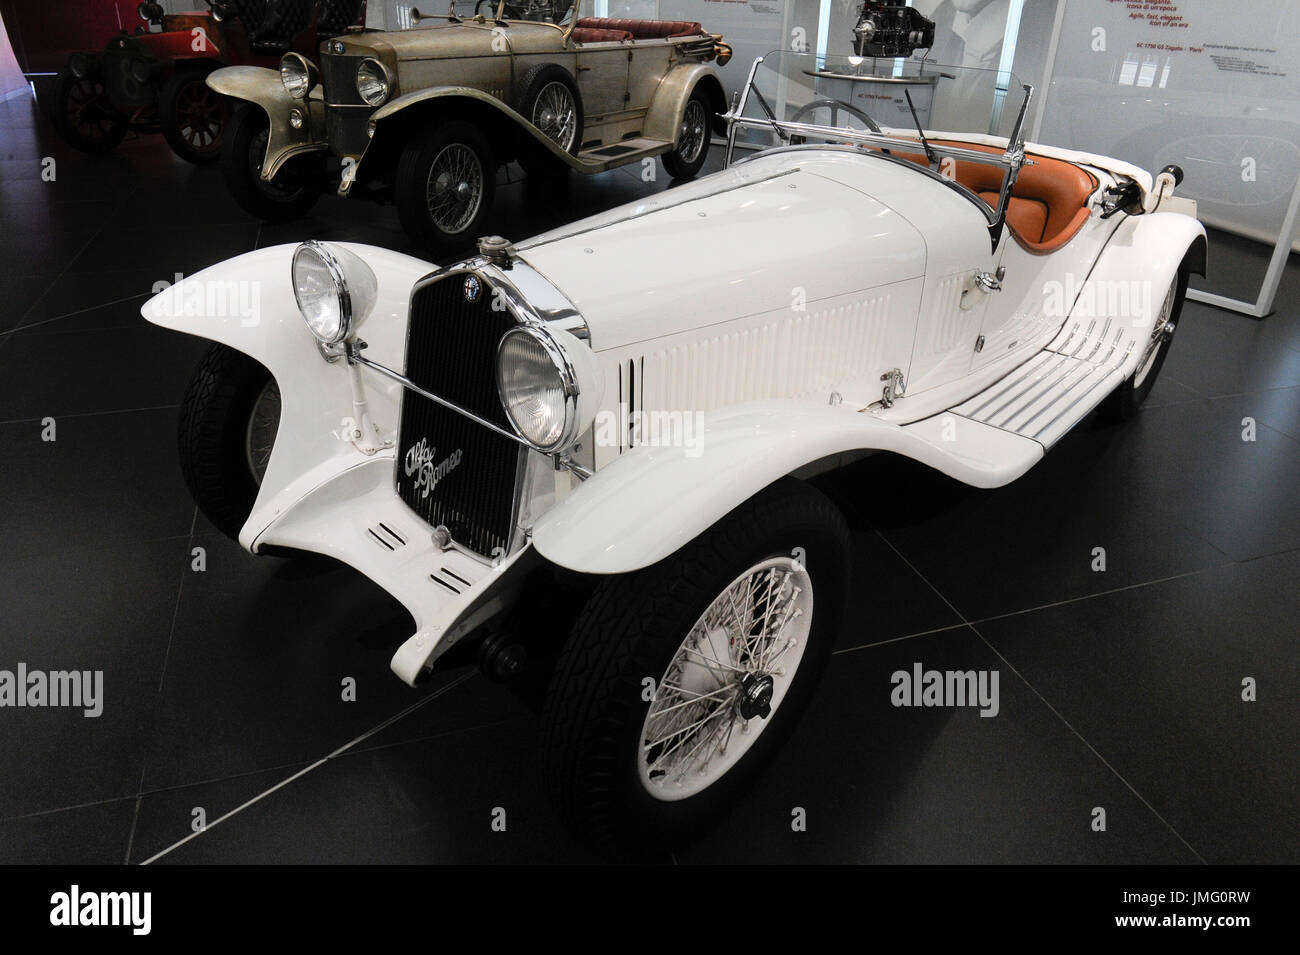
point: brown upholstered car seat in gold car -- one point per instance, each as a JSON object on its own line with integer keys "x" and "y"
{"x": 642, "y": 29}
{"x": 592, "y": 35}
{"x": 1049, "y": 202}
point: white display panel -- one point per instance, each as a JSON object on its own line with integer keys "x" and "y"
{"x": 1212, "y": 87}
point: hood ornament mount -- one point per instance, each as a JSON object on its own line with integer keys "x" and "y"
{"x": 498, "y": 251}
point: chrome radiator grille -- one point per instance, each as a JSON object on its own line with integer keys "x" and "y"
{"x": 451, "y": 470}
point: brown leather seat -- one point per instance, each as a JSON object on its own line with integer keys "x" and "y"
{"x": 1049, "y": 202}
{"x": 589, "y": 35}
{"x": 641, "y": 29}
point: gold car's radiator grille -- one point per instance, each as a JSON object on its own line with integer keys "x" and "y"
{"x": 338, "y": 76}
{"x": 451, "y": 470}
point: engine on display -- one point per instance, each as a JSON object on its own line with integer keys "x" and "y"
{"x": 891, "y": 29}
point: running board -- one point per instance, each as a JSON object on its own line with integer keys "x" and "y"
{"x": 616, "y": 154}
{"x": 1053, "y": 391}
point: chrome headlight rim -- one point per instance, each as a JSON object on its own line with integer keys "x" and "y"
{"x": 342, "y": 291}
{"x": 568, "y": 380}
{"x": 374, "y": 70}
{"x": 298, "y": 75}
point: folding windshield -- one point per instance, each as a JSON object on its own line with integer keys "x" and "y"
{"x": 939, "y": 117}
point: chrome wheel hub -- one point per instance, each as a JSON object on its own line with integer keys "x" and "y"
{"x": 455, "y": 188}
{"x": 1161, "y": 332}
{"x": 728, "y": 676}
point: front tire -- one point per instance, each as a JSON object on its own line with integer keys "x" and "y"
{"x": 295, "y": 188}
{"x": 765, "y": 587}
{"x": 84, "y": 116}
{"x": 228, "y": 424}
{"x": 445, "y": 184}
{"x": 1126, "y": 400}
{"x": 192, "y": 115}
{"x": 692, "y": 148}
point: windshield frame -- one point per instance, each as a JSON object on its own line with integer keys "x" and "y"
{"x": 1010, "y": 160}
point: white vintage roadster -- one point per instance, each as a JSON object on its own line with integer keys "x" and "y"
{"x": 606, "y": 430}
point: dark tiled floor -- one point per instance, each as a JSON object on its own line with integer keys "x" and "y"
{"x": 1120, "y": 689}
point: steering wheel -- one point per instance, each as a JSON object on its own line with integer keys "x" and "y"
{"x": 835, "y": 106}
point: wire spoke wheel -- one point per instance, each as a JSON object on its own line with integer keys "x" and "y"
{"x": 727, "y": 678}
{"x": 694, "y": 129}
{"x": 455, "y": 188}
{"x": 263, "y": 424}
{"x": 1161, "y": 331}
{"x": 556, "y": 114}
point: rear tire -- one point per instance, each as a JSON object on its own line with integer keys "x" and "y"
{"x": 192, "y": 115}
{"x": 228, "y": 422}
{"x": 295, "y": 188}
{"x": 692, "y": 146}
{"x": 1126, "y": 400}
{"x": 84, "y": 116}
{"x": 613, "y": 779}
{"x": 445, "y": 184}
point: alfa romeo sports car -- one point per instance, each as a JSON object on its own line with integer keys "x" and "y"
{"x": 427, "y": 115}
{"x": 586, "y": 455}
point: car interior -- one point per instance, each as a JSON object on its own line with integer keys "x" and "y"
{"x": 1049, "y": 202}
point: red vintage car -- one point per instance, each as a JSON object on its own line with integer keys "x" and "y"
{"x": 152, "y": 80}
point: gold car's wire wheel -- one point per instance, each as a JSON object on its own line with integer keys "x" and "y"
{"x": 555, "y": 113}
{"x": 454, "y": 190}
{"x": 694, "y": 130}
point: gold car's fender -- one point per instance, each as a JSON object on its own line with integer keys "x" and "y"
{"x": 262, "y": 86}
{"x": 669, "y": 105}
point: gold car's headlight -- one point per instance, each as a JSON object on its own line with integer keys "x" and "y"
{"x": 298, "y": 74}
{"x": 374, "y": 84}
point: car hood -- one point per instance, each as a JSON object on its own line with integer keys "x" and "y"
{"x": 768, "y": 235}
{"x": 441, "y": 39}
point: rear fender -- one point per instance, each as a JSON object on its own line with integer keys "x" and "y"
{"x": 669, "y": 105}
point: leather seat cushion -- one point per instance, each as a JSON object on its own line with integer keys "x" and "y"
{"x": 590, "y": 35}
{"x": 1049, "y": 202}
{"x": 642, "y": 29}
{"x": 1027, "y": 217}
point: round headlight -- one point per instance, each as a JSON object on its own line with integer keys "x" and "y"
{"x": 334, "y": 288}
{"x": 373, "y": 84}
{"x": 321, "y": 290}
{"x": 297, "y": 75}
{"x": 537, "y": 388}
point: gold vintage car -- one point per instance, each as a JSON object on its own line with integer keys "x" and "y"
{"x": 432, "y": 111}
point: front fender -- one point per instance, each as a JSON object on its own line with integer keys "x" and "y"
{"x": 652, "y": 500}
{"x": 247, "y": 303}
{"x": 402, "y": 106}
{"x": 262, "y": 87}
